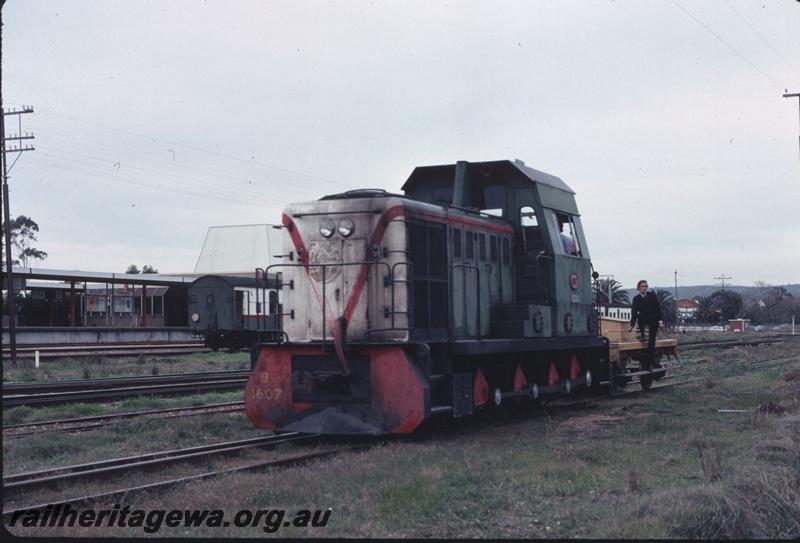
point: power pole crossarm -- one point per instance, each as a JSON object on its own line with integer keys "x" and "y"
{"x": 722, "y": 278}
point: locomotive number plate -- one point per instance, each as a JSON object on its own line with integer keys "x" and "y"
{"x": 265, "y": 392}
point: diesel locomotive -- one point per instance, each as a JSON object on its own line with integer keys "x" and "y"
{"x": 470, "y": 289}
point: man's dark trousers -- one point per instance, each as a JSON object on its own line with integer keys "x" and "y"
{"x": 651, "y": 339}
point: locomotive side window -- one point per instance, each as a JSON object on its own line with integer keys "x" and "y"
{"x": 443, "y": 195}
{"x": 437, "y": 254}
{"x": 494, "y": 200}
{"x": 493, "y": 248}
{"x": 418, "y": 248}
{"x": 567, "y": 233}
{"x": 482, "y": 246}
{"x": 456, "y": 242}
{"x": 531, "y": 232}
{"x": 428, "y": 252}
{"x": 470, "y": 245}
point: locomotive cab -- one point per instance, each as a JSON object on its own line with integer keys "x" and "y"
{"x": 551, "y": 293}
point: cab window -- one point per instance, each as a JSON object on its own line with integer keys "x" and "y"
{"x": 567, "y": 234}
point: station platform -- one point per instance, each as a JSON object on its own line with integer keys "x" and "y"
{"x": 58, "y": 335}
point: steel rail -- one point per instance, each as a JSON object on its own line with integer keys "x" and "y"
{"x": 33, "y": 479}
{"x": 282, "y": 462}
{"x": 129, "y": 414}
{"x": 51, "y": 398}
{"x": 15, "y": 387}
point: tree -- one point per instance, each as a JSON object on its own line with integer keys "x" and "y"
{"x": 706, "y": 312}
{"x": 147, "y": 268}
{"x": 23, "y": 235}
{"x": 618, "y": 295}
{"x": 728, "y": 302}
{"x": 669, "y": 309}
{"x": 132, "y": 269}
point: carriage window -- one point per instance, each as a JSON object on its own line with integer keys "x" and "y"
{"x": 506, "y": 252}
{"x": 482, "y": 246}
{"x": 470, "y": 245}
{"x": 210, "y": 301}
{"x": 493, "y": 248}
{"x": 457, "y": 243}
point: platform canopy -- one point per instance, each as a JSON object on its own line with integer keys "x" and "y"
{"x": 239, "y": 249}
{"x": 101, "y": 277}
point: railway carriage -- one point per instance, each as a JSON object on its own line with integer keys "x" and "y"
{"x": 471, "y": 289}
{"x": 233, "y": 312}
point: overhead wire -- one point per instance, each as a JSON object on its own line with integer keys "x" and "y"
{"x": 726, "y": 44}
{"x": 200, "y": 150}
{"x": 240, "y": 179}
{"x": 765, "y": 40}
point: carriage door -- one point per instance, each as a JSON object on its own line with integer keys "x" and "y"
{"x": 535, "y": 260}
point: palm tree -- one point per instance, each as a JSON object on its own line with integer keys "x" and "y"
{"x": 669, "y": 309}
{"x": 705, "y": 309}
{"x": 618, "y": 295}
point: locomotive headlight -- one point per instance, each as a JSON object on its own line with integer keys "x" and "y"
{"x": 195, "y": 317}
{"x": 346, "y": 227}
{"x": 326, "y": 228}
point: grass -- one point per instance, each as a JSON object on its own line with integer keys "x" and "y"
{"x": 98, "y": 367}
{"x": 123, "y": 438}
{"x": 25, "y": 414}
{"x": 665, "y": 464}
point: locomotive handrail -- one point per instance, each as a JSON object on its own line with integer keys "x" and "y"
{"x": 324, "y": 267}
{"x": 410, "y": 302}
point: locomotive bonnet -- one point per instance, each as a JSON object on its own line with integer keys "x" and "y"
{"x": 471, "y": 288}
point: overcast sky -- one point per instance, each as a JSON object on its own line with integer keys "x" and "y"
{"x": 155, "y": 120}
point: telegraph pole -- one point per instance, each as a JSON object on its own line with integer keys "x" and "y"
{"x": 677, "y": 309}
{"x": 722, "y": 278}
{"x": 676, "y": 286}
{"x": 795, "y": 95}
{"x": 20, "y": 147}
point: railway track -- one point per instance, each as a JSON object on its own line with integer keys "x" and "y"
{"x": 101, "y": 390}
{"x": 22, "y": 483}
{"x": 106, "y": 349}
{"x": 80, "y": 424}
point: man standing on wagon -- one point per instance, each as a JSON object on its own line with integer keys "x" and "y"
{"x": 647, "y": 311}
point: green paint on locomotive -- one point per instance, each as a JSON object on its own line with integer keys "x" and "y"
{"x": 532, "y": 280}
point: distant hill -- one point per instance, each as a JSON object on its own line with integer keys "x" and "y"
{"x": 692, "y": 291}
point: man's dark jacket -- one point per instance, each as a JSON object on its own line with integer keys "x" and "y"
{"x": 646, "y": 309}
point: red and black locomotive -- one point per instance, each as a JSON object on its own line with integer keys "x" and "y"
{"x": 470, "y": 289}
